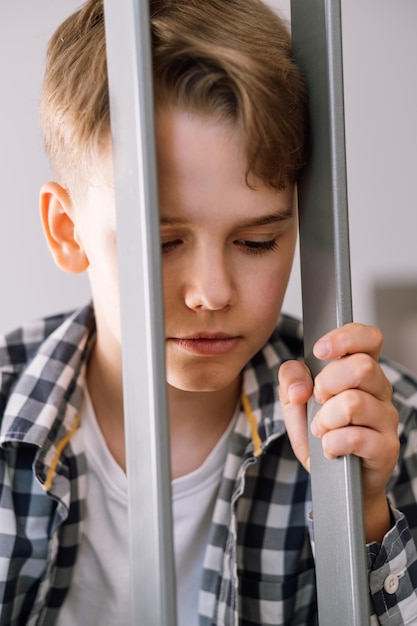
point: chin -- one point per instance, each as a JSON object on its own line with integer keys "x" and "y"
{"x": 199, "y": 384}
{"x": 193, "y": 387}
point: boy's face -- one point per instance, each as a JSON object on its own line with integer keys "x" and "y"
{"x": 227, "y": 252}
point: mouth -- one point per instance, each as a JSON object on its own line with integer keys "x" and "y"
{"x": 207, "y": 344}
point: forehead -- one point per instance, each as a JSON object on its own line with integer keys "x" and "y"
{"x": 195, "y": 141}
{"x": 202, "y": 168}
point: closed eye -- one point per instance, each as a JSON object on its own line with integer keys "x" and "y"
{"x": 256, "y": 247}
{"x": 168, "y": 246}
{"x": 246, "y": 245}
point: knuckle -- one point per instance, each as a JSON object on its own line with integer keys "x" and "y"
{"x": 364, "y": 366}
{"x": 355, "y": 438}
{"x": 351, "y": 404}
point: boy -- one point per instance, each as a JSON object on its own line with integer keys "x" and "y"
{"x": 230, "y": 125}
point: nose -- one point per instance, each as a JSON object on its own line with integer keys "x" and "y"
{"x": 209, "y": 285}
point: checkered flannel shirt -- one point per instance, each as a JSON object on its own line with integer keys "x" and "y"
{"x": 258, "y": 567}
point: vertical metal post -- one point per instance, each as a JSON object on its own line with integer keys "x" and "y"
{"x": 342, "y": 583}
{"x": 147, "y": 441}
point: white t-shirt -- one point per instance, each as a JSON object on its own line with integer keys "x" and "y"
{"x": 100, "y": 589}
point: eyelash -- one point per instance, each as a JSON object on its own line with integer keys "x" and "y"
{"x": 249, "y": 247}
{"x": 257, "y": 247}
{"x": 170, "y": 245}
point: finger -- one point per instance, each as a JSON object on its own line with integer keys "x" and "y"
{"x": 378, "y": 454}
{"x": 295, "y": 417}
{"x": 355, "y": 408}
{"x": 357, "y": 371}
{"x": 295, "y": 383}
{"x": 295, "y": 388}
{"x": 349, "y": 339}
{"x": 377, "y": 451}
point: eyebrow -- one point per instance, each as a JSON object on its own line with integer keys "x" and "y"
{"x": 264, "y": 220}
{"x": 273, "y": 218}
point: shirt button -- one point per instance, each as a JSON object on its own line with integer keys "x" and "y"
{"x": 391, "y": 583}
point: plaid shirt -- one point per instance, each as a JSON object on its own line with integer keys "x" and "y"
{"x": 258, "y": 568}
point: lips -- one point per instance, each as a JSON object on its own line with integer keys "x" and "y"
{"x": 207, "y": 344}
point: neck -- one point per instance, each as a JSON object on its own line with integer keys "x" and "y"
{"x": 197, "y": 420}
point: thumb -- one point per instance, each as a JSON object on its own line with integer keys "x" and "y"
{"x": 295, "y": 388}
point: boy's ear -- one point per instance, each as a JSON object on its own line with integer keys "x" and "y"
{"x": 59, "y": 228}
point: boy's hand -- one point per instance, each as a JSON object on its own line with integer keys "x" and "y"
{"x": 356, "y": 416}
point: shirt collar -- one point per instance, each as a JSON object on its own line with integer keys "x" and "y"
{"x": 48, "y": 391}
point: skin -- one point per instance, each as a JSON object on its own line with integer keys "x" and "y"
{"x": 356, "y": 414}
{"x": 227, "y": 251}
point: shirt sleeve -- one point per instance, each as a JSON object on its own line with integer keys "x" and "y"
{"x": 393, "y": 575}
{"x": 393, "y": 564}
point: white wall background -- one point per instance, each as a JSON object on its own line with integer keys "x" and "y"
{"x": 31, "y": 284}
{"x": 380, "y": 60}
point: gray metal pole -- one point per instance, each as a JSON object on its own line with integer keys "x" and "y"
{"x": 342, "y": 583}
{"x": 138, "y": 242}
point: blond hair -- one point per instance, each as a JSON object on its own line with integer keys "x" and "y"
{"x": 228, "y": 59}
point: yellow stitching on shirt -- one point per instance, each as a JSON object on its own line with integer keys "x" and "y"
{"x": 59, "y": 448}
{"x": 257, "y": 441}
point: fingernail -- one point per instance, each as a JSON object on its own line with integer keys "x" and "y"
{"x": 313, "y": 428}
{"x": 322, "y": 349}
{"x": 317, "y": 396}
{"x": 295, "y": 390}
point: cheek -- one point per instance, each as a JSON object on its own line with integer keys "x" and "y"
{"x": 264, "y": 295}
{"x": 270, "y": 281}
{"x": 268, "y": 295}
